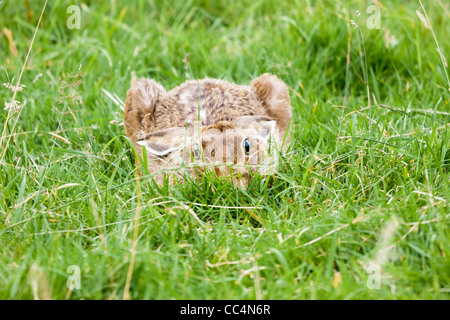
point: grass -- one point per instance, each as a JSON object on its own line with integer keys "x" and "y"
{"x": 363, "y": 188}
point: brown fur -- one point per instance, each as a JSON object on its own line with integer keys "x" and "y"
{"x": 210, "y": 111}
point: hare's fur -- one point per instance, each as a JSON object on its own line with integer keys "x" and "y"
{"x": 171, "y": 123}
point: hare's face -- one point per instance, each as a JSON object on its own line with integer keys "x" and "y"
{"x": 232, "y": 149}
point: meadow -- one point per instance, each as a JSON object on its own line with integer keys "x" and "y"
{"x": 358, "y": 208}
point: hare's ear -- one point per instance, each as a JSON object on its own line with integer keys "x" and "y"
{"x": 162, "y": 143}
{"x": 145, "y": 94}
{"x": 274, "y": 95}
{"x": 140, "y": 104}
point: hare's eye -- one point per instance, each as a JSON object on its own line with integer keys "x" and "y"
{"x": 247, "y": 146}
{"x": 196, "y": 151}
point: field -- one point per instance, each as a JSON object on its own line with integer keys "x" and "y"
{"x": 357, "y": 210}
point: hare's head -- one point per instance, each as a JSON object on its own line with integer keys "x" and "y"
{"x": 231, "y": 149}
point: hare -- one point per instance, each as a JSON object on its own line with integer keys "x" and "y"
{"x": 232, "y": 129}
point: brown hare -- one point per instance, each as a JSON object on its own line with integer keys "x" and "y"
{"x": 232, "y": 129}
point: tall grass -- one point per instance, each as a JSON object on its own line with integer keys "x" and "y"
{"x": 364, "y": 185}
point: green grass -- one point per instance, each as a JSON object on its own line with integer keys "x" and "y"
{"x": 360, "y": 186}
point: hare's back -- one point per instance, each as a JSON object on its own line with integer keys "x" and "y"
{"x": 213, "y": 100}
